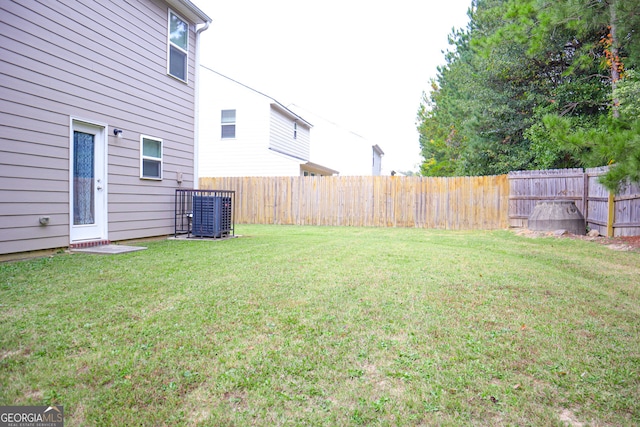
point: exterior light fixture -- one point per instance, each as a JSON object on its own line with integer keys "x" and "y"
{"x": 117, "y": 133}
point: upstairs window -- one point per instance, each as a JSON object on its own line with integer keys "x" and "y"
{"x": 150, "y": 158}
{"x": 228, "y": 123}
{"x": 178, "y": 47}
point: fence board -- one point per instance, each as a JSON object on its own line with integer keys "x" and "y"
{"x": 381, "y": 201}
{"x": 597, "y": 201}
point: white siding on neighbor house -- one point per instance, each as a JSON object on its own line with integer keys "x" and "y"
{"x": 231, "y": 156}
{"x": 281, "y": 137}
{"x": 105, "y": 62}
{"x": 247, "y": 154}
{"x": 276, "y": 164}
{"x": 335, "y": 146}
{"x": 377, "y": 162}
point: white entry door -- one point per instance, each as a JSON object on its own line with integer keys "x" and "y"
{"x": 88, "y": 192}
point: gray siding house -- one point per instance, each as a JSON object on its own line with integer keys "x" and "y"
{"x": 98, "y": 119}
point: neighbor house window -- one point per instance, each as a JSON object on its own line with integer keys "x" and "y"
{"x": 178, "y": 47}
{"x": 228, "y": 122}
{"x": 150, "y": 157}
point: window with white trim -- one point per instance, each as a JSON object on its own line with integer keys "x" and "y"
{"x": 150, "y": 157}
{"x": 228, "y": 124}
{"x": 178, "y": 49}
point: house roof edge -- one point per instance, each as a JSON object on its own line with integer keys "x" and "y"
{"x": 287, "y": 111}
{"x": 189, "y": 10}
{"x": 322, "y": 168}
{"x": 378, "y": 150}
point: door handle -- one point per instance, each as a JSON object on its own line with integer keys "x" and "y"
{"x": 99, "y": 187}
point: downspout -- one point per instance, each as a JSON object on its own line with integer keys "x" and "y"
{"x": 196, "y": 112}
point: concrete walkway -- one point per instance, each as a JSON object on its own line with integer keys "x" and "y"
{"x": 109, "y": 249}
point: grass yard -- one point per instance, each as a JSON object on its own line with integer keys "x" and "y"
{"x": 328, "y": 326}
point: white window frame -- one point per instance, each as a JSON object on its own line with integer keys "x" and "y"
{"x": 170, "y": 44}
{"x": 160, "y": 159}
{"x": 234, "y": 123}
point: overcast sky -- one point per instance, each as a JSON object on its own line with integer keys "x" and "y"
{"x": 361, "y": 64}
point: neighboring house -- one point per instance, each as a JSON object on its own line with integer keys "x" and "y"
{"x": 344, "y": 149}
{"x": 244, "y": 132}
{"x": 98, "y": 121}
{"x": 376, "y": 155}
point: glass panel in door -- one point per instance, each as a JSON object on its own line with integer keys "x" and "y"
{"x": 83, "y": 178}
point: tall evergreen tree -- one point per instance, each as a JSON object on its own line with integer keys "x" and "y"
{"x": 522, "y": 70}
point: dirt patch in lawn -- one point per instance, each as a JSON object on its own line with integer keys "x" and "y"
{"x": 567, "y": 417}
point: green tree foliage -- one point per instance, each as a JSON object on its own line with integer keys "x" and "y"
{"x": 628, "y": 94}
{"x": 442, "y": 113}
{"x": 536, "y": 84}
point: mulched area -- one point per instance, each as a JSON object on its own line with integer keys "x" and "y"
{"x": 632, "y": 242}
{"x": 626, "y": 243}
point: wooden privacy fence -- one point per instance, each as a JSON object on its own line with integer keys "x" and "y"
{"x": 611, "y": 215}
{"x": 460, "y": 203}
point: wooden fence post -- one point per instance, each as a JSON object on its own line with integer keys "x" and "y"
{"x": 585, "y": 197}
{"x": 611, "y": 214}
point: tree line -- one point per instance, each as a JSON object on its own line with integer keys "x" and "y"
{"x": 537, "y": 84}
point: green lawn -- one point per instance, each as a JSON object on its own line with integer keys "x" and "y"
{"x": 328, "y": 326}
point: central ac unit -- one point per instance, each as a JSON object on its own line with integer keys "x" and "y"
{"x": 211, "y": 216}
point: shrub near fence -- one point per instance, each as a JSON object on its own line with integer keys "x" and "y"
{"x": 460, "y": 203}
